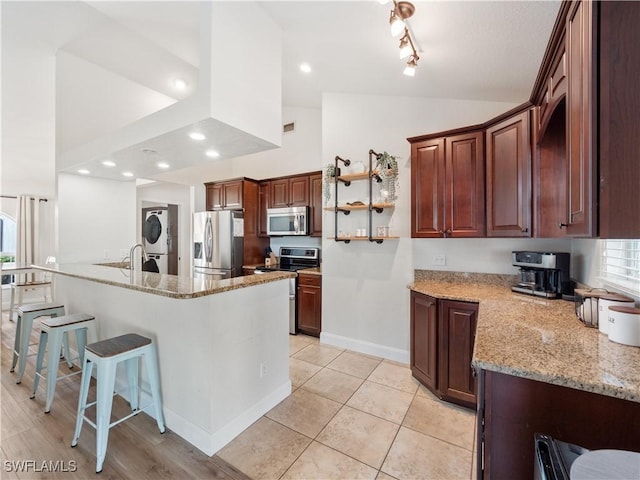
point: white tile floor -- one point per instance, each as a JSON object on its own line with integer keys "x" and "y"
{"x": 355, "y": 416}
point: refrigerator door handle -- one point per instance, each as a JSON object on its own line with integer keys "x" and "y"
{"x": 208, "y": 240}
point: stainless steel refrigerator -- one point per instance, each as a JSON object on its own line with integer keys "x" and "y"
{"x": 218, "y": 244}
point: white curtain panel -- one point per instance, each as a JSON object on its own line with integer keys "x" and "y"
{"x": 27, "y": 226}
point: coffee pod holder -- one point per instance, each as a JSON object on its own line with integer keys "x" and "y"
{"x": 586, "y": 302}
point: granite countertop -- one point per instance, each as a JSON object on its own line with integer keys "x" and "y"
{"x": 173, "y": 286}
{"x": 542, "y": 340}
{"x": 310, "y": 271}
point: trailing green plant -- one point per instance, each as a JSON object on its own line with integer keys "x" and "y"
{"x": 329, "y": 178}
{"x": 387, "y": 169}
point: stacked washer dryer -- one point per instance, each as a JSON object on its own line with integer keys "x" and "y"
{"x": 155, "y": 235}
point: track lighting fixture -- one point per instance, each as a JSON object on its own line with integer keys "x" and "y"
{"x": 397, "y": 20}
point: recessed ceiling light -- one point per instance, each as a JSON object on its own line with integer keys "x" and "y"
{"x": 127, "y": 174}
{"x": 212, "y": 154}
{"x": 84, "y": 171}
{"x": 197, "y": 136}
{"x": 305, "y": 67}
{"x": 179, "y": 84}
{"x": 109, "y": 163}
{"x": 163, "y": 165}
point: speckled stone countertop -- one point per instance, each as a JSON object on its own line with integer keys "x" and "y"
{"x": 173, "y": 286}
{"x": 541, "y": 340}
{"x": 310, "y": 271}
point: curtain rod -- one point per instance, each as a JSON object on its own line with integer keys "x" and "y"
{"x": 13, "y": 196}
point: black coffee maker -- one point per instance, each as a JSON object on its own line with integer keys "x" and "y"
{"x": 543, "y": 274}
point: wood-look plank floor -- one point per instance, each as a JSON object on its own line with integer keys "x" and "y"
{"x": 136, "y": 449}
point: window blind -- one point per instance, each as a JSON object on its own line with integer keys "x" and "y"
{"x": 621, "y": 264}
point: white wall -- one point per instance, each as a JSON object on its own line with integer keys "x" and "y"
{"x": 160, "y": 194}
{"x": 246, "y": 73}
{"x": 301, "y": 150}
{"x": 96, "y": 101}
{"x": 96, "y": 219}
{"x": 365, "y": 300}
{"x": 487, "y": 255}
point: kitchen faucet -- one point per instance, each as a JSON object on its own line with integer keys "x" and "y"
{"x": 132, "y": 251}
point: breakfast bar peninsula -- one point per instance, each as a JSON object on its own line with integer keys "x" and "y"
{"x": 222, "y": 344}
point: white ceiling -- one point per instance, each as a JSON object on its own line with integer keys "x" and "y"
{"x": 468, "y": 50}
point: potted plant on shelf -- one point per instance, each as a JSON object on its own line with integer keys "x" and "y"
{"x": 386, "y": 169}
{"x": 329, "y": 178}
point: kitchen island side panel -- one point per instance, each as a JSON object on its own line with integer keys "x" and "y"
{"x": 223, "y": 358}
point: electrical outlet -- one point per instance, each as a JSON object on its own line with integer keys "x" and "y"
{"x": 439, "y": 260}
{"x": 263, "y": 369}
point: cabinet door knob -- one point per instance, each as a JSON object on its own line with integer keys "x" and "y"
{"x": 447, "y": 232}
{"x": 441, "y": 233}
{"x": 562, "y": 225}
{"x": 525, "y": 230}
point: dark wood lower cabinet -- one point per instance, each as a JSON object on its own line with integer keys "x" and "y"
{"x": 310, "y": 304}
{"x": 424, "y": 339}
{"x": 442, "y": 339}
{"x": 512, "y": 409}
{"x": 458, "y": 322}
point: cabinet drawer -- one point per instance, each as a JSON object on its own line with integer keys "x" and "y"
{"x": 311, "y": 280}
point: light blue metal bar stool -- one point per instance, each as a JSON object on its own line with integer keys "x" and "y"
{"x": 53, "y": 331}
{"x": 106, "y": 355}
{"x": 26, "y": 315}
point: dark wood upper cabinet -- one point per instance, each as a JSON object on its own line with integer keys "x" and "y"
{"x": 555, "y": 87}
{"x": 289, "y": 192}
{"x": 241, "y": 193}
{"x": 233, "y": 198}
{"x": 215, "y": 197}
{"x": 509, "y": 177}
{"x": 299, "y": 191}
{"x": 315, "y": 204}
{"x": 264, "y": 188}
{"x": 464, "y": 186}
{"x": 227, "y": 195}
{"x": 427, "y": 188}
{"x": 424, "y": 340}
{"x": 581, "y": 45}
{"x": 619, "y": 120}
{"x": 447, "y": 186}
{"x": 457, "y": 323}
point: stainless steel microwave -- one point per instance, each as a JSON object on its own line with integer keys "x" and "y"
{"x": 288, "y": 221}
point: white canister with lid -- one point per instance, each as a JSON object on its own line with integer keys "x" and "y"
{"x": 624, "y": 325}
{"x": 610, "y": 300}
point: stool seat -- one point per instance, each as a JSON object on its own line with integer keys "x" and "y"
{"x": 117, "y": 345}
{"x": 54, "y": 331}
{"x": 37, "y": 307}
{"x": 106, "y": 355}
{"x": 54, "y": 322}
{"x": 26, "y": 315}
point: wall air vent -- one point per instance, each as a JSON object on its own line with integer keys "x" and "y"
{"x": 288, "y": 127}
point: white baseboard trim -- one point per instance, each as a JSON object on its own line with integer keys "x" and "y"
{"x": 232, "y": 429}
{"x": 208, "y": 443}
{"x": 367, "y": 348}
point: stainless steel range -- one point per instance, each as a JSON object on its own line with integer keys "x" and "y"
{"x": 293, "y": 259}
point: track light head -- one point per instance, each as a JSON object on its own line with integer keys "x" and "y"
{"x": 396, "y": 24}
{"x": 410, "y": 69}
{"x": 406, "y": 48}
